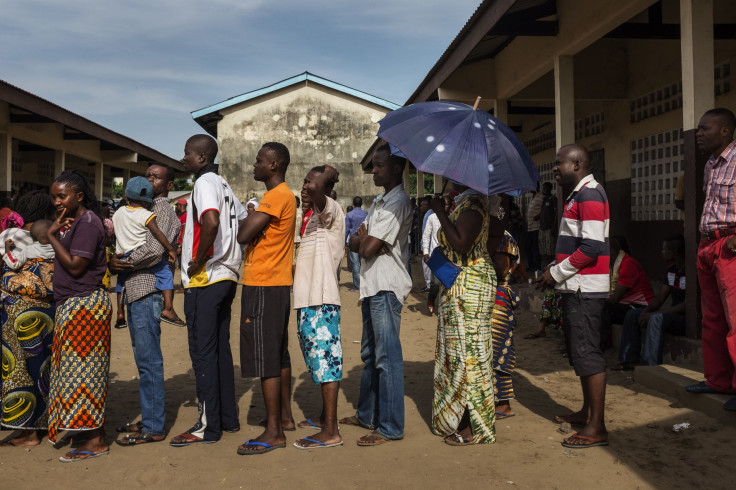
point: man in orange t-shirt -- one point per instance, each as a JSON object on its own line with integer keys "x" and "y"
{"x": 265, "y": 303}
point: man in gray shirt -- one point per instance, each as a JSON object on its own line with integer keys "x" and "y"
{"x": 383, "y": 244}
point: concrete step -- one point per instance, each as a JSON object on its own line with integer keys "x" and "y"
{"x": 672, "y": 380}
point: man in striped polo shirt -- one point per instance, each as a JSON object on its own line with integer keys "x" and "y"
{"x": 581, "y": 274}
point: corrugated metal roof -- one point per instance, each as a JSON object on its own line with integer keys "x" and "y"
{"x": 303, "y": 77}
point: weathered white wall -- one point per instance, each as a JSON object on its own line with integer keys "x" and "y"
{"x": 318, "y": 125}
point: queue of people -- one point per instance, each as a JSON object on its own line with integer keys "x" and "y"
{"x": 56, "y": 257}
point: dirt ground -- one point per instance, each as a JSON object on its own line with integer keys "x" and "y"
{"x": 644, "y": 452}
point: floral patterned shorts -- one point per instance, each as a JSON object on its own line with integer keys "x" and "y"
{"x": 319, "y": 338}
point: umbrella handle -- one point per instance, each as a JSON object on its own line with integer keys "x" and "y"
{"x": 477, "y": 102}
{"x": 442, "y": 193}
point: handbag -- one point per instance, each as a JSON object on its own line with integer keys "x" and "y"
{"x": 442, "y": 268}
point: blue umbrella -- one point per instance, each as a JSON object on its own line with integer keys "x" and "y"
{"x": 462, "y": 144}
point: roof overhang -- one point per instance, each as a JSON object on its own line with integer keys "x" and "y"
{"x": 28, "y": 108}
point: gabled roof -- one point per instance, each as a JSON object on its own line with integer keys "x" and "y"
{"x": 206, "y": 115}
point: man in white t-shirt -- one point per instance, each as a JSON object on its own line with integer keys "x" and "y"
{"x": 317, "y": 301}
{"x": 210, "y": 261}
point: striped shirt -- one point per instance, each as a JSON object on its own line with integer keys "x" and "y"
{"x": 719, "y": 210}
{"x": 582, "y": 255}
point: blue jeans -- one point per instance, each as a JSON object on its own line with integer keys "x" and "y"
{"x": 658, "y": 324}
{"x": 355, "y": 264}
{"x": 144, "y": 324}
{"x": 381, "y": 403}
{"x": 162, "y": 272}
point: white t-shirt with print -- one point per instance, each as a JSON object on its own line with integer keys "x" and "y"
{"x": 212, "y": 192}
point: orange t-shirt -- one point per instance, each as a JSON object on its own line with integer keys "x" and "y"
{"x": 269, "y": 256}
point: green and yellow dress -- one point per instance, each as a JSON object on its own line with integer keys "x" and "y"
{"x": 463, "y": 367}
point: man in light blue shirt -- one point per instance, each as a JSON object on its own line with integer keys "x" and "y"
{"x": 353, "y": 220}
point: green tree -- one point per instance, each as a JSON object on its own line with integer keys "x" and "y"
{"x": 183, "y": 184}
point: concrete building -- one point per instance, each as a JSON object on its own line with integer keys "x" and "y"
{"x": 39, "y": 139}
{"x": 320, "y": 121}
{"x": 628, "y": 79}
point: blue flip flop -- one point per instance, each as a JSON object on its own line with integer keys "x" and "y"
{"x": 320, "y": 444}
{"x": 86, "y": 454}
{"x": 265, "y": 447}
{"x": 309, "y": 425}
{"x": 501, "y": 415}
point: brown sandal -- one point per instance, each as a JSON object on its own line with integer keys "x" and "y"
{"x": 137, "y": 438}
{"x": 352, "y": 420}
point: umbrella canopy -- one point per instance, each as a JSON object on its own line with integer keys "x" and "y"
{"x": 462, "y": 144}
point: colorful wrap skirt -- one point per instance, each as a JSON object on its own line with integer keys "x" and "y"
{"x": 504, "y": 352}
{"x": 463, "y": 372}
{"x": 80, "y": 364}
{"x": 27, "y": 320}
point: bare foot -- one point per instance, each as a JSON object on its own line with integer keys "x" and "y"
{"x": 29, "y": 438}
{"x": 577, "y": 419}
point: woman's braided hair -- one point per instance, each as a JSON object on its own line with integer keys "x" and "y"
{"x": 75, "y": 179}
{"x": 35, "y": 205}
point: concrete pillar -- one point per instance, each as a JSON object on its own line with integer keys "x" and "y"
{"x": 126, "y": 178}
{"x": 696, "y": 48}
{"x": 420, "y": 184}
{"x": 59, "y": 162}
{"x": 564, "y": 101}
{"x": 99, "y": 185}
{"x": 407, "y": 187}
{"x": 438, "y": 184}
{"x": 6, "y": 162}
{"x": 501, "y": 110}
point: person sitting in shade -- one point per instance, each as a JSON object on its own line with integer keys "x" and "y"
{"x": 630, "y": 288}
{"x": 655, "y": 322}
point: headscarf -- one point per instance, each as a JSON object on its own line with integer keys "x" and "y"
{"x": 250, "y": 201}
{"x": 12, "y": 220}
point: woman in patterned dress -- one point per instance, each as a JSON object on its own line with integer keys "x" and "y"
{"x": 463, "y": 406}
{"x": 27, "y": 320}
{"x": 81, "y": 350}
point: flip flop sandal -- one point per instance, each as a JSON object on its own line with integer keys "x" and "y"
{"x": 187, "y": 439}
{"x": 308, "y": 424}
{"x": 85, "y": 454}
{"x": 590, "y": 442}
{"x": 372, "y": 439}
{"x": 136, "y": 427}
{"x": 121, "y": 323}
{"x": 264, "y": 447}
{"x": 174, "y": 321}
{"x": 233, "y": 430}
{"x": 457, "y": 440}
{"x": 138, "y": 438}
{"x": 319, "y": 444}
{"x": 502, "y": 415}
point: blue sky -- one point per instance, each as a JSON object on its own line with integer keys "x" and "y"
{"x": 140, "y": 67}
